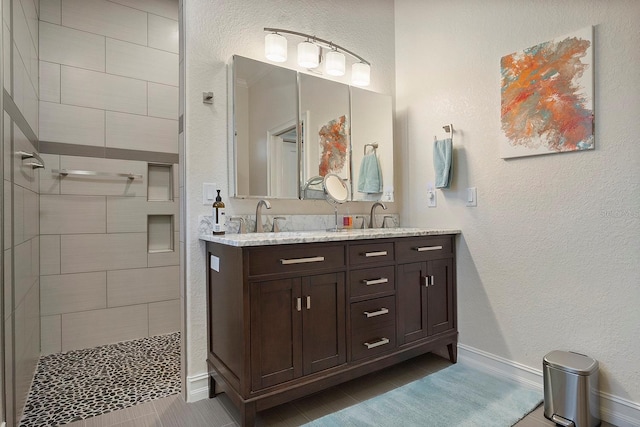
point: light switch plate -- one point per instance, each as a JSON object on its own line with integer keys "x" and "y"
{"x": 472, "y": 196}
{"x": 208, "y": 193}
{"x": 432, "y": 200}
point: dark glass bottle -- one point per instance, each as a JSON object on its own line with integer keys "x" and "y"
{"x": 218, "y": 215}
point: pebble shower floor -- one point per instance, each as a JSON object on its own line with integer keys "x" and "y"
{"x": 85, "y": 383}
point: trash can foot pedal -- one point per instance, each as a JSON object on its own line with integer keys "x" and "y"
{"x": 562, "y": 421}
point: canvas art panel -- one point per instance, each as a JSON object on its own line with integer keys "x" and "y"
{"x": 547, "y": 97}
{"x": 334, "y": 144}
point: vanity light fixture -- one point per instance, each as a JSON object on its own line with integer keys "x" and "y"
{"x": 310, "y": 55}
{"x": 275, "y": 47}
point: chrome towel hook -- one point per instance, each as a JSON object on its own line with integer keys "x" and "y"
{"x": 449, "y": 129}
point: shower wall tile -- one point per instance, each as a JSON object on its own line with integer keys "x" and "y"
{"x": 98, "y": 252}
{"x": 49, "y": 83}
{"x": 129, "y": 214}
{"x": 51, "y": 333}
{"x": 31, "y": 15}
{"x": 18, "y": 211}
{"x": 67, "y": 46}
{"x": 163, "y": 33}
{"x": 143, "y": 285}
{"x": 7, "y": 146}
{"x": 51, "y": 11}
{"x": 23, "y": 276}
{"x": 166, "y": 8}
{"x": 8, "y": 289}
{"x": 49, "y": 255}
{"x": 31, "y": 221}
{"x": 71, "y": 124}
{"x": 50, "y": 182}
{"x": 106, "y": 18}
{"x": 163, "y": 101}
{"x": 164, "y": 317}
{"x": 35, "y": 258}
{"x": 99, "y": 186}
{"x": 6, "y": 53}
{"x": 140, "y": 62}
{"x": 68, "y": 214}
{"x": 136, "y": 132}
{"x": 68, "y": 293}
{"x": 94, "y": 89}
{"x": 92, "y": 328}
{"x": 166, "y": 258}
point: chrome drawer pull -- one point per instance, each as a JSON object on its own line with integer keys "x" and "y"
{"x": 376, "y": 313}
{"x": 375, "y": 281}
{"x": 301, "y": 260}
{"x": 380, "y": 253}
{"x": 298, "y": 304}
{"x": 428, "y": 248}
{"x": 382, "y": 341}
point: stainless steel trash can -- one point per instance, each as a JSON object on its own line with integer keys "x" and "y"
{"x": 571, "y": 389}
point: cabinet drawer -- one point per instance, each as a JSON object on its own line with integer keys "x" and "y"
{"x": 372, "y": 281}
{"x": 366, "y": 343}
{"x": 295, "y": 258}
{"x": 373, "y": 314}
{"x": 425, "y": 248}
{"x": 371, "y": 253}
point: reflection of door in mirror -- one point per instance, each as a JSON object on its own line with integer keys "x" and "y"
{"x": 325, "y": 110}
{"x": 264, "y": 109}
{"x": 371, "y": 123}
{"x": 283, "y": 161}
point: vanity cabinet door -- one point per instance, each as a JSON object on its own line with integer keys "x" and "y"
{"x": 425, "y": 299}
{"x": 323, "y": 322}
{"x": 297, "y": 327}
{"x": 276, "y": 332}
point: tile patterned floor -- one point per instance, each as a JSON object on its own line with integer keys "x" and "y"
{"x": 172, "y": 411}
{"x": 84, "y": 383}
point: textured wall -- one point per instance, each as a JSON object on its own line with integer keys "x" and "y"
{"x": 215, "y": 30}
{"x": 548, "y": 259}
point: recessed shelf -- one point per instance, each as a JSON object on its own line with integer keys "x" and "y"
{"x": 160, "y": 182}
{"x": 160, "y": 233}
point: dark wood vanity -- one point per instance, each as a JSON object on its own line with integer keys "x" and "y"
{"x": 288, "y": 320}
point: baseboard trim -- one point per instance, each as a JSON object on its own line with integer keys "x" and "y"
{"x": 613, "y": 409}
{"x": 197, "y": 387}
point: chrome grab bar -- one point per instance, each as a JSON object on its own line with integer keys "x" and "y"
{"x": 379, "y": 253}
{"x": 376, "y": 313}
{"x": 428, "y": 248}
{"x": 39, "y": 163}
{"x": 301, "y": 260}
{"x": 375, "y": 281}
{"x": 65, "y": 172}
{"x": 382, "y": 341}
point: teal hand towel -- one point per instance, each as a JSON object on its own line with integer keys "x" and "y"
{"x": 442, "y": 162}
{"x": 370, "y": 178}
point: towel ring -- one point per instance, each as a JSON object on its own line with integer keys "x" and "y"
{"x": 374, "y": 146}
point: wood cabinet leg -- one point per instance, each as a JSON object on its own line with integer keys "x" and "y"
{"x": 248, "y": 414}
{"x": 453, "y": 352}
{"x": 212, "y": 387}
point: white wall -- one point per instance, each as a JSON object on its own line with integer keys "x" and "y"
{"x": 548, "y": 258}
{"x": 214, "y": 31}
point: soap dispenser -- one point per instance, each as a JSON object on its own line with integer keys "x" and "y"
{"x": 218, "y": 215}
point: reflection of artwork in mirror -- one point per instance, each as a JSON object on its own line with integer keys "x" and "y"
{"x": 333, "y": 147}
{"x": 265, "y": 117}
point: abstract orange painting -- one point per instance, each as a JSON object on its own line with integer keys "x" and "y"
{"x": 547, "y": 97}
{"x": 333, "y": 147}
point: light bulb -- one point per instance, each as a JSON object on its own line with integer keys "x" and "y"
{"x": 360, "y": 74}
{"x": 308, "y": 55}
{"x": 275, "y": 47}
{"x": 334, "y": 63}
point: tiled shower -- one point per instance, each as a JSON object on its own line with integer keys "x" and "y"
{"x": 91, "y": 240}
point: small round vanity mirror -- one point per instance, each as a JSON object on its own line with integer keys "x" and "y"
{"x": 336, "y": 193}
{"x": 335, "y": 188}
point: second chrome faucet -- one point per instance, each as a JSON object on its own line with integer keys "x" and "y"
{"x": 259, "y": 227}
{"x": 372, "y": 219}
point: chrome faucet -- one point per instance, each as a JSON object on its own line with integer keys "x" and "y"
{"x": 372, "y": 220}
{"x": 259, "y": 228}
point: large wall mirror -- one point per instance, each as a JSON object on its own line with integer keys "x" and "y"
{"x": 265, "y": 143}
{"x": 291, "y": 129}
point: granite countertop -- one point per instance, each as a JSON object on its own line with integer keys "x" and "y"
{"x": 290, "y": 237}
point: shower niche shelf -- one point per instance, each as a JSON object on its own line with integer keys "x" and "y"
{"x": 160, "y": 233}
{"x": 160, "y": 182}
